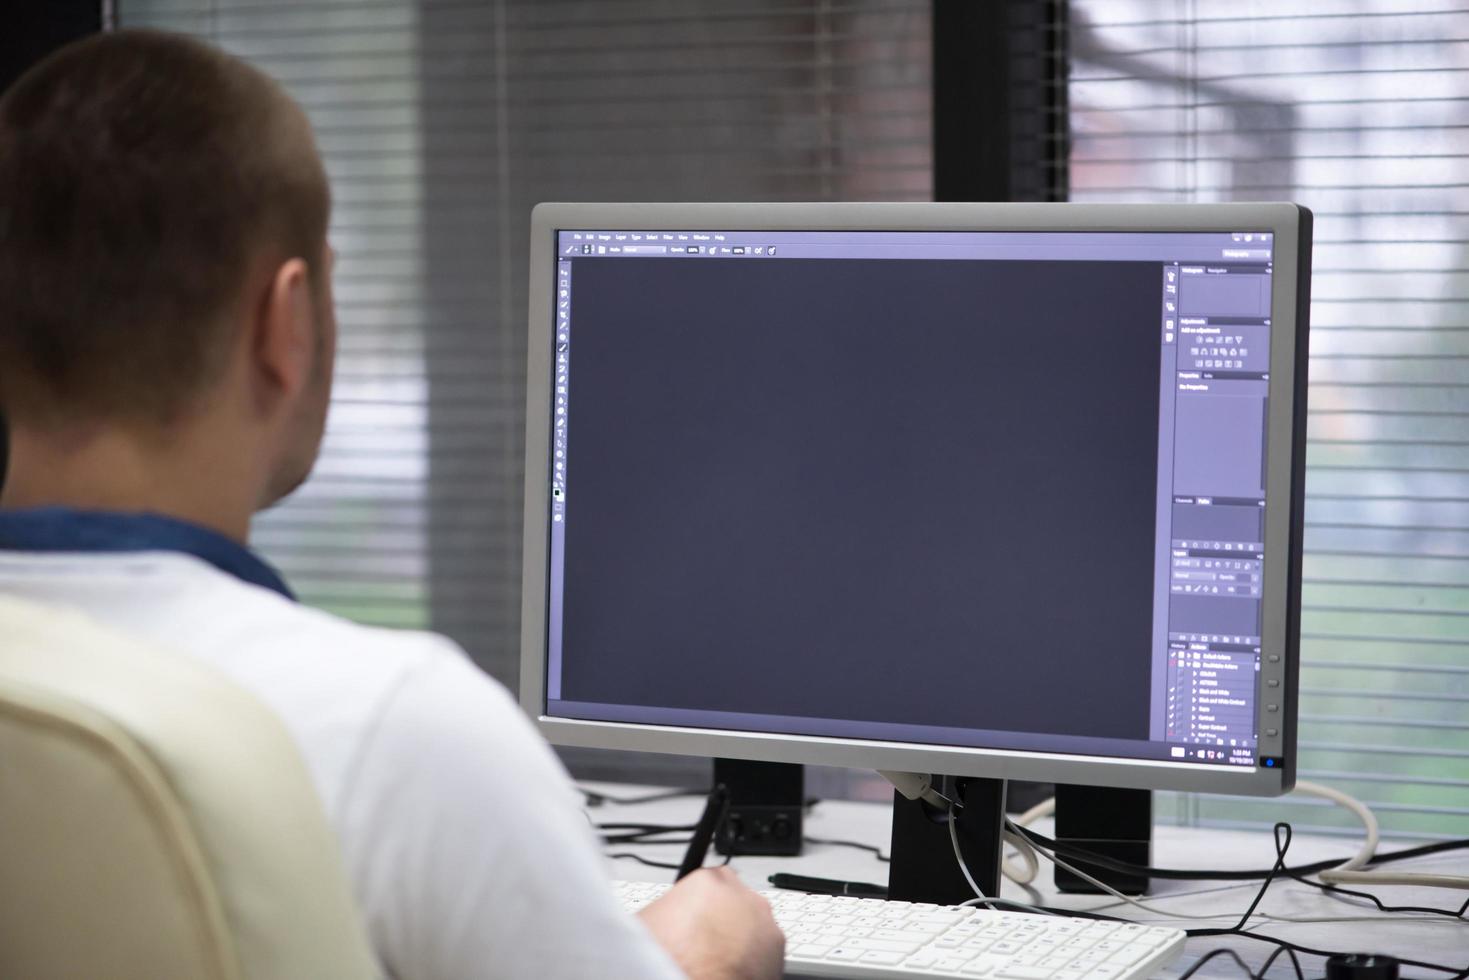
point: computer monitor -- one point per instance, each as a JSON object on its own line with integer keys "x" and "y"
{"x": 994, "y": 490}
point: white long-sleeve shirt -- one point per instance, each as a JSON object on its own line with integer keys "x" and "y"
{"x": 463, "y": 836}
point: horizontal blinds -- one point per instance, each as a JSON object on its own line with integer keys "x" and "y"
{"x": 354, "y": 538}
{"x": 441, "y": 124}
{"x": 1356, "y": 109}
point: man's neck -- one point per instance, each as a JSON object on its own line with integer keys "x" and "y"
{"x": 115, "y": 470}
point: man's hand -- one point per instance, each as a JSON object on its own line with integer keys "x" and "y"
{"x": 715, "y": 928}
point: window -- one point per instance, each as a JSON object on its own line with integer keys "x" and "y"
{"x": 1353, "y": 108}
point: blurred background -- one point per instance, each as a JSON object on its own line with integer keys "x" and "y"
{"x": 443, "y": 122}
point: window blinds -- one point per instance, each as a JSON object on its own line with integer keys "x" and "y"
{"x": 441, "y": 124}
{"x": 1356, "y": 109}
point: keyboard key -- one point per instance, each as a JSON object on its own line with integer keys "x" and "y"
{"x": 982, "y": 966}
{"x": 879, "y": 958}
{"x": 1129, "y": 954}
{"x": 882, "y": 945}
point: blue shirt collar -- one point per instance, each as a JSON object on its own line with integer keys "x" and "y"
{"x": 65, "y": 529}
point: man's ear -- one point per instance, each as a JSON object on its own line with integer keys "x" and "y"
{"x": 284, "y": 333}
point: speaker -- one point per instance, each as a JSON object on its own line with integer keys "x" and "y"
{"x": 1116, "y": 823}
{"x": 766, "y": 804}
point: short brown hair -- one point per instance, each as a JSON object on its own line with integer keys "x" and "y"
{"x": 140, "y": 175}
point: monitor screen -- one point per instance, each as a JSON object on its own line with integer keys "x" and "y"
{"x": 1004, "y": 491}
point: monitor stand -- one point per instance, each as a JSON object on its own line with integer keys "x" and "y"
{"x": 1117, "y": 823}
{"x": 923, "y": 867}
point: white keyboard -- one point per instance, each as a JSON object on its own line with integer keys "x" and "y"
{"x": 833, "y": 936}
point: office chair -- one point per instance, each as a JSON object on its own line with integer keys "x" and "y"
{"x": 155, "y": 820}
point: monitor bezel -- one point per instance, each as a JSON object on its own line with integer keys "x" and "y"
{"x": 1290, "y": 226}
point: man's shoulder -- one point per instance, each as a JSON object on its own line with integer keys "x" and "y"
{"x": 202, "y": 605}
{"x": 329, "y": 678}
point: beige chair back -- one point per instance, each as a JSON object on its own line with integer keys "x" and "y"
{"x": 156, "y": 821}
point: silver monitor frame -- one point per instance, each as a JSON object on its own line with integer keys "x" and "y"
{"x": 1277, "y": 678}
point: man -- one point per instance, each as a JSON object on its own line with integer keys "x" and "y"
{"x": 166, "y": 342}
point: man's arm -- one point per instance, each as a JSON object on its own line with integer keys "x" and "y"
{"x": 469, "y": 847}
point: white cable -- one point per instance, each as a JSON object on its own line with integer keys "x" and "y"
{"x": 1025, "y": 873}
{"x": 963, "y": 865}
{"x": 1350, "y": 873}
{"x": 1393, "y": 878}
{"x": 1112, "y": 891}
{"x": 1359, "y": 809}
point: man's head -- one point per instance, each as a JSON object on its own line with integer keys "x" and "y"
{"x": 163, "y": 253}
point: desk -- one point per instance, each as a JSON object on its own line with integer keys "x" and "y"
{"x": 1444, "y": 941}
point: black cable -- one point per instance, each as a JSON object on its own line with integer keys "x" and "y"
{"x": 1102, "y": 860}
{"x": 1337, "y": 890}
{"x": 1252, "y": 974}
{"x": 624, "y": 855}
{"x": 871, "y": 848}
{"x": 650, "y": 837}
{"x": 1459, "y": 973}
{"x": 645, "y": 827}
{"x": 1183, "y": 874}
{"x": 644, "y": 840}
{"x": 594, "y": 798}
{"x": 639, "y": 833}
{"x": 1281, "y": 846}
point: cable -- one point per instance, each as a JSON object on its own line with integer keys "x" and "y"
{"x": 1337, "y": 891}
{"x": 595, "y": 798}
{"x": 1458, "y": 973}
{"x": 1186, "y": 874}
{"x": 639, "y": 833}
{"x": 1029, "y": 868}
{"x": 1350, "y": 873}
{"x": 624, "y": 855}
{"x": 1420, "y": 913}
{"x": 1281, "y": 847}
{"x": 1253, "y": 975}
{"x": 1026, "y": 873}
{"x": 1114, "y": 892}
{"x": 872, "y": 848}
{"x": 1358, "y": 808}
{"x": 958, "y": 856}
{"x": 1298, "y": 874}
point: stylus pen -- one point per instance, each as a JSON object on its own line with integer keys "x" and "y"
{"x": 826, "y": 886}
{"x": 714, "y": 811}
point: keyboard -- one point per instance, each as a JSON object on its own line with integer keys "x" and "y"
{"x": 836, "y": 936}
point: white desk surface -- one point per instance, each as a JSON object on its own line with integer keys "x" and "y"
{"x": 1434, "y": 940}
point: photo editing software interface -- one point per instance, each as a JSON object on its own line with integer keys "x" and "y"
{"x": 990, "y": 489}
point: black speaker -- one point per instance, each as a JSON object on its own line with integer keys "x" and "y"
{"x": 1116, "y": 823}
{"x": 766, "y": 803}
